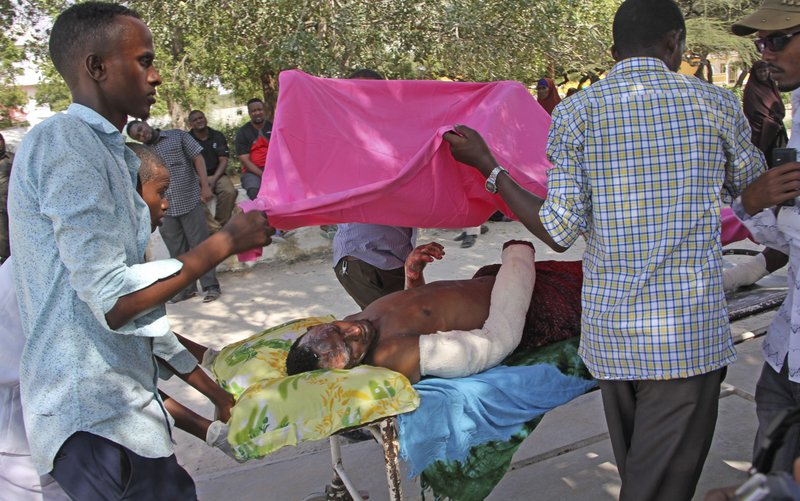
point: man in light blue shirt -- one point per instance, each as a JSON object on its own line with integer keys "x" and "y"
{"x": 90, "y": 310}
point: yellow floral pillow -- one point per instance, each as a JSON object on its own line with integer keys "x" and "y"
{"x": 261, "y": 356}
{"x": 274, "y": 410}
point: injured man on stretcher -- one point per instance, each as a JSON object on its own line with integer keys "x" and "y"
{"x": 452, "y": 328}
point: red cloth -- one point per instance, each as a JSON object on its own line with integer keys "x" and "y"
{"x": 555, "y": 310}
{"x": 552, "y": 99}
{"x": 258, "y": 153}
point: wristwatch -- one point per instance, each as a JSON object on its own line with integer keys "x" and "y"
{"x": 491, "y": 181}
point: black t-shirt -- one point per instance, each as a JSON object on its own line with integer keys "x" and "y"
{"x": 214, "y": 147}
{"x": 247, "y": 135}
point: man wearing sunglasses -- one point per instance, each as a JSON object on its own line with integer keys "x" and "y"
{"x": 777, "y": 24}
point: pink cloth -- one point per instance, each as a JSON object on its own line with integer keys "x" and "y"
{"x": 371, "y": 151}
{"x": 732, "y": 229}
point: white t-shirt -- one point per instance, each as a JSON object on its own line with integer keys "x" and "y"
{"x": 12, "y": 429}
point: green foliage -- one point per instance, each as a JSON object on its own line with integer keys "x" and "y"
{"x": 52, "y": 90}
{"x": 11, "y": 96}
{"x": 243, "y": 45}
{"x": 708, "y": 31}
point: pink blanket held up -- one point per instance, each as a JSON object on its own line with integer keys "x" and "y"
{"x": 372, "y": 151}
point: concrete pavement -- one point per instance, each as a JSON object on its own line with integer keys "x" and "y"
{"x": 567, "y": 457}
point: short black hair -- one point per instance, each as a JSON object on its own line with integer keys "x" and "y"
{"x": 641, "y": 24}
{"x": 301, "y": 359}
{"x": 366, "y": 74}
{"x": 193, "y": 112}
{"x": 150, "y": 161}
{"x": 130, "y": 126}
{"x": 254, "y": 100}
{"x": 81, "y": 28}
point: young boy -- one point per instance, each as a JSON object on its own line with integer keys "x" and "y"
{"x": 153, "y": 184}
{"x": 93, "y": 416}
{"x": 18, "y": 476}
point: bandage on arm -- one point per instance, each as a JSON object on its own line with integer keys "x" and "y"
{"x": 462, "y": 353}
{"x": 747, "y": 272}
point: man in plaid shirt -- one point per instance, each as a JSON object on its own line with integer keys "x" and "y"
{"x": 639, "y": 162}
{"x": 184, "y": 225}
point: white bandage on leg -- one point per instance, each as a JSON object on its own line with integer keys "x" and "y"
{"x": 217, "y": 436}
{"x": 745, "y": 273}
{"x": 462, "y": 353}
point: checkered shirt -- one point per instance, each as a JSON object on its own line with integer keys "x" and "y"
{"x": 640, "y": 160}
{"x": 177, "y": 148}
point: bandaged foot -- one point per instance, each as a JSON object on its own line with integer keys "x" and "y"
{"x": 208, "y": 358}
{"x": 747, "y": 272}
{"x": 463, "y": 353}
{"x": 217, "y": 436}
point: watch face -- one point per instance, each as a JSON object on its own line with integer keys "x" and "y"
{"x": 490, "y": 186}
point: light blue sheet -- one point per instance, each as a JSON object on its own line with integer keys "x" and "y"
{"x": 457, "y": 414}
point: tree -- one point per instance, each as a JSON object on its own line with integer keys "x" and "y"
{"x": 11, "y": 96}
{"x": 247, "y": 43}
{"x": 176, "y": 26}
{"x": 52, "y": 90}
{"x": 243, "y": 45}
{"x": 708, "y": 32}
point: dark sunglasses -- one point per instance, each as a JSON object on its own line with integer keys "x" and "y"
{"x": 775, "y": 43}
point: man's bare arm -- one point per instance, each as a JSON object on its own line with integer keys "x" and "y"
{"x": 468, "y": 147}
{"x": 417, "y": 261}
{"x": 242, "y": 233}
{"x": 249, "y": 165}
{"x": 200, "y": 167}
{"x": 221, "y": 167}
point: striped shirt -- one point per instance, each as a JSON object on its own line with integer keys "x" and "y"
{"x": 384, "y": 247}
{"x": 640, "y": 161}
{"x": 178, "y": 149}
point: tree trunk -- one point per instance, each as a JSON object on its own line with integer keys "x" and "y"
{"x": 699, "y": 71}
{"x": 269, "y": 85}
{"x": 742, "y": 76}
{"x": 177, "y": 115}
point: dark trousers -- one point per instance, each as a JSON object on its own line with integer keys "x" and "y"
{"x": 182, "y": 233}
{"x": 90, "y": 467}
{"x": 774, "y": 393}
{"x": 661, "y": 432}
{"x": 366, "y": 283}
{"x": 251, "y": 184}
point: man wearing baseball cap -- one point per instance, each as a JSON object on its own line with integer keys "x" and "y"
{"x": 777, "y": 24}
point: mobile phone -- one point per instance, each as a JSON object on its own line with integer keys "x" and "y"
{"x": 782, "y": 156}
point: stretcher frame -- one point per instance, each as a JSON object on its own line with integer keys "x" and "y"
{"x": 342, "y": 487}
